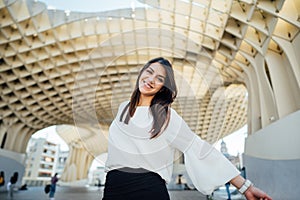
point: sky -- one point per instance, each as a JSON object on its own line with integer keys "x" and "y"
{"x": 51, "y": 135}
{"x": 235, "y": 142}
{"x": 91, "y": 5}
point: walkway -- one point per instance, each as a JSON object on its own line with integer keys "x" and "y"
{"x": 93, "y": 193}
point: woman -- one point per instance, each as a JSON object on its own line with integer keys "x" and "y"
{"x": 2, "y": 178}
{"x": 12, "y": 184}
{"x": 144, "y": 135}
{"x": 54, "y": 180}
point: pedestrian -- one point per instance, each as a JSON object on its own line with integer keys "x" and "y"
{"x": 99, "y": 183}
{"x": 12, "y": 184}
{"x": 144, "y": 135}
{"x": 227, "y": 185}
{"x": 54, "y": 180}
{"x": 2, "y": 178}
{"x": 243, "y": 172}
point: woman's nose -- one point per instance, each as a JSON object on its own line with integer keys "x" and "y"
{"x": 151, "y": 79}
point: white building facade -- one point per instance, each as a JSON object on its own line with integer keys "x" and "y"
{"x": 44, "y": 159}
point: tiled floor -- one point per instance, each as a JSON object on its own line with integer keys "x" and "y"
{"x": 93, "y": 193}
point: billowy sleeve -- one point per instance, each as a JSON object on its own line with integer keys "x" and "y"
{"x": 206, "y": 166}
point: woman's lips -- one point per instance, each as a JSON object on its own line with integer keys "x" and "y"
{"x": 147, "y": 85}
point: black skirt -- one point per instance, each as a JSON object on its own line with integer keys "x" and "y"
{"x": 133, "y": 184}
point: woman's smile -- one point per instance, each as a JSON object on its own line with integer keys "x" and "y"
{"x": 147, "y": 85}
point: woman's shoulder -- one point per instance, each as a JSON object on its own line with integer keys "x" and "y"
{"x": 175, "y": 117}
{"x": 121, "y": 107}
{"x": 174, "y": 114}
{"x": 123, "y": 104}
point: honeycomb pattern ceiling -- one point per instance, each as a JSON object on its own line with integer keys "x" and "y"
{"x": 62, "y": 67}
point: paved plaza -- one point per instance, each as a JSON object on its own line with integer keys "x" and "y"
{"x": 94, "y": 193}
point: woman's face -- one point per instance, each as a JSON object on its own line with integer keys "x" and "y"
{"x": 152, "y": 79}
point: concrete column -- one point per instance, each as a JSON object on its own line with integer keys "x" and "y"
{"x": 291, "y": 49}
{"x": 77, "y": 165}
{"x": 253, "y": 111}
{"x": 18, "y": 135}
{"x": 23, "y": 136}
{"x": 85, "y": 144}
{"x": 3, "y": 130}
{"x": 282, "y": 82}
{"x": 267, "y": 102}
{"x": 262, "y": 92}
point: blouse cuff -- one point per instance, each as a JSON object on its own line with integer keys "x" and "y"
{"x": 207, "y": 167}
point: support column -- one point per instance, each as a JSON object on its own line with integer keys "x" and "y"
{"x": 77, "y": 165}
{"x": 85, "y": 144}
{"x": 262, "y": 93}
{"x": 291, "y": 50}
{"x": 287, "y": 97}
{"x": 267, "y": 102}
{"x": 253, "y": 111}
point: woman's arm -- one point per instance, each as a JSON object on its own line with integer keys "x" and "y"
{"x": 249, "y": 190}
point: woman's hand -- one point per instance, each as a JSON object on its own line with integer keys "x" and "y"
{"x": 253, "y": 193}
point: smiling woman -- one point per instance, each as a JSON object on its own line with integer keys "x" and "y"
{"x": 141, "y": 155}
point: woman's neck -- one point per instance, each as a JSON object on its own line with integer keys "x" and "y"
{"x": 145, "y": 100}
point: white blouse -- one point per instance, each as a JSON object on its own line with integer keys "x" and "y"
{"x": 129, "y": 145}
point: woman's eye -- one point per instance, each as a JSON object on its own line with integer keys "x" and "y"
{"x": 160, "y": 80}
{"x": 149, "y": 71}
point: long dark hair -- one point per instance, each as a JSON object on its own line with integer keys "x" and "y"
{"x": 160, "y": 104}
